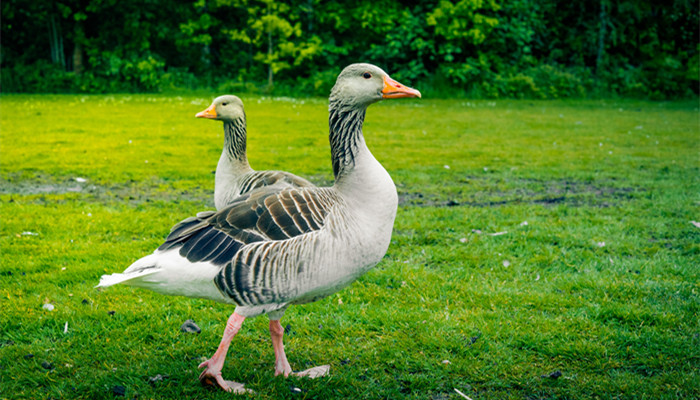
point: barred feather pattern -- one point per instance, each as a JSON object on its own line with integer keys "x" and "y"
{"x": 235, "y": 139}
{"x": 272, "y": 271}
{"x": 258, "y": 179}
{"x": 345, "y": 125}
{"x": 249, "y": 240}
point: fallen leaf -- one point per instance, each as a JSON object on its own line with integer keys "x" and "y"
{"x": 158, "y": 378}
{"x": 315, "y": 372}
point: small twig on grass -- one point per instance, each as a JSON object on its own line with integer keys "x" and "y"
{"x": 462, "y": 394}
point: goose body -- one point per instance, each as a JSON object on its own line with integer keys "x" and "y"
{"x": 276, "y": 246}
{"x": 234, "y": 176}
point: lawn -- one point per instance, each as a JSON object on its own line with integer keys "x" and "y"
{"x": 542, "y": 250}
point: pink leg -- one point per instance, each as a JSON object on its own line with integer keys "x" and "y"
{"x": 212, "y": 373}
{"x": 281, "y": 363}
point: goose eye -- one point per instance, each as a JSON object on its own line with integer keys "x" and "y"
{"x": 224, "y": 104}
{"x": 366, "y": 75}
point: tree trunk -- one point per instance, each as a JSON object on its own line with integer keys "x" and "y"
{"x": 269, "y": 51}
{"x": 311, "y": 16}
{"x": 78, "y": 66}
{"x": 56, "y": 41}
{"x": 269, "y": 57}
{"x": 78, "y": 59}
{"x": 601, "y": 38}
{"x": 206, "y": 50}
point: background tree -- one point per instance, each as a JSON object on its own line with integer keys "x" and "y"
{"x": 479, "y": 48}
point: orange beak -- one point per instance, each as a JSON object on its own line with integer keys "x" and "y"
{"x": 208, "y": 113}
{"x": 395, "y": 90}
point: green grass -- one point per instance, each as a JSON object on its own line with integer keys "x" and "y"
{"x": 619, "y": 320}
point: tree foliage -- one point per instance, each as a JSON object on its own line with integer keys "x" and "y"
{"x": 482, "y": 48}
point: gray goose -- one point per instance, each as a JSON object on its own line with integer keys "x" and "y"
{"x": 273, "y": 247}
{"x": 234, "y": 176}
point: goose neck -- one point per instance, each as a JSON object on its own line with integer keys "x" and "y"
{"x": 345, "y": 125}
{"x": 235, "y": 140}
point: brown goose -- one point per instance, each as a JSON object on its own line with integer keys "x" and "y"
{"x": 234, "y": 176}
{"x": 274, "y": 247}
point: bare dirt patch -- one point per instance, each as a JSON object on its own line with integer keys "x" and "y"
{"x": 524, "y": 191}
{"x": 136, "y": 192}
{"x": 470, "y": 191}
{"x": 133, "y": 192}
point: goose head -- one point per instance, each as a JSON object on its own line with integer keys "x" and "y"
{"x": 360, "y": 85}
{"x": 228, "y": 108}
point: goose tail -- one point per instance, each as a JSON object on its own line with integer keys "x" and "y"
{"x": 167, "y": 272}
{"x": 140, "y": 269}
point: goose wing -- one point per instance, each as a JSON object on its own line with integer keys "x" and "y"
{"x": 259, "y": 179}
{"x": 266, "y": 214}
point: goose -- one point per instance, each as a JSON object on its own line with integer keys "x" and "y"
{"x": 274, "y": 247}
{"x": 234, "y": 176}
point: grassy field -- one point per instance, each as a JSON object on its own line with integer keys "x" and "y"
{"x": 542, "y": 250}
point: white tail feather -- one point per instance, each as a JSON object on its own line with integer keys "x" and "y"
{"x": 167, "y": 272}
{"x": 109, "y": 280}
{"x": 141, "y": 267}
